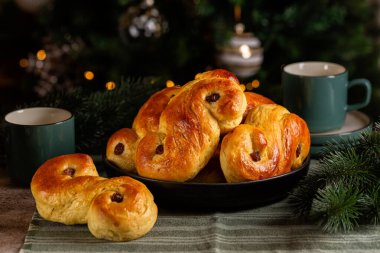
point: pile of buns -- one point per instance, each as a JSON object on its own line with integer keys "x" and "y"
{"x": 208, "y": 130}
{"x": 188, "y": 133}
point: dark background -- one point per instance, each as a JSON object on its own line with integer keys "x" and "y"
{"x": 93, "y": 35}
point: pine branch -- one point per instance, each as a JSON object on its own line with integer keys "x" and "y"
{"x": 349, "y": 166}
{"x": 370, "y": 205}
{"x": 302, "y": 197}
{"x": 336, "y": 208}
{"x": 98, "y": 114}
{"x": 344, "y": 188}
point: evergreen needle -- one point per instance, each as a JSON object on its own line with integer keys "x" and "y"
{"x": 344, "y": 188}
{"x": 100, "y": 113}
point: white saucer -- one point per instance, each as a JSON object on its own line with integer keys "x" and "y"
{"x": 355, "y": 123}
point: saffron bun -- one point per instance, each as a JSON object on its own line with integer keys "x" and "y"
{"x": 190, "y": 127}
{"x": 272, "y": 141}
{"x": 121, "y": 149}
{"x": 67, "y": 189}
{"x": 212, "y": 172}
{"x": 177, "y": 134}
{"x": 148, "y": 117}
{"x": 121, "y": 145}
{"x": 253, "y": 100}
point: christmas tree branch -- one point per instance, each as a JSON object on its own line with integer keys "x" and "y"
{"x": 100, "y": 113}
{"x": 344, "y": 188}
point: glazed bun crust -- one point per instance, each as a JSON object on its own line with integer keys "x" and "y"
{"x": 67, "y": 189}
{"x": 190, "y": 127}
{"x": 121, "y": 149}
{"x": 121, "y": 145}
{"x": 209, "y": 130}
{"x": 272, "y": 141}
{"x": 253, "y": 100}
{"x": 52, "y": 186}
{"x": 129, "y": 219}
{"x": 148, "y": 117}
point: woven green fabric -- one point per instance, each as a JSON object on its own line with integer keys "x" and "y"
{"x": 265, "y": 229}
{"x": 271, "y": 228}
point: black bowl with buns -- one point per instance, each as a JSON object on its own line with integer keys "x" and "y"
{"x": 218, "y": 196}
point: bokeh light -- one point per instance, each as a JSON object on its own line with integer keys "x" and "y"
{"x": 41, "y": 55}
{"x": 89, "y": 75}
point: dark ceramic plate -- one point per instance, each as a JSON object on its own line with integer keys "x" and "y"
{"x": 217, "y": 196}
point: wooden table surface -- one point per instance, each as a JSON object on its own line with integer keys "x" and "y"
{"x": 16, "y": 209}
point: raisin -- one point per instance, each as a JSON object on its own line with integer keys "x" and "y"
{"x": 212, "y": 98}
{"x": 119, "y": 149}
{"x": 160, "y": 149}
{"x": 117, "y": 197}
{"x": 69, "y": 172}
{"x": 298, "y": 150}
{"x": 255, "y": 156}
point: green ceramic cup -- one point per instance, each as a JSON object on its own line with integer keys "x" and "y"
{"x": 317, "y": 92}
{"x": 34, "y": 135}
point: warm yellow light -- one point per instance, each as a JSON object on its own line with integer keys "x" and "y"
{"x": 253, "y": 84}
{"x": 110, "y": 85}
{"x": 242, "y": 87}
{"x": 89, "y": 75}
{"x": 169, "y": 83}
{"x": 24, "y": 63}
{"x": 245, "y": 51}
{"x": 41, "y": 55}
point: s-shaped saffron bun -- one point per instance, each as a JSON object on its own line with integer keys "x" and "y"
{"x": 272, "y": 141}
{"x": 121, "y": 145}
{"x": 68, "y": 189}
{"x": 190, "y": 127}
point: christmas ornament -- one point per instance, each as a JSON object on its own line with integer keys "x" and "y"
{"x": 142, "y": 21}
{"x": 242, "y": 55}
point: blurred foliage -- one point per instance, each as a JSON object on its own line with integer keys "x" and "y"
{"x": 100, "y": 113}
{"x": 341, "y": 31}
{"x": 343, "y": 190}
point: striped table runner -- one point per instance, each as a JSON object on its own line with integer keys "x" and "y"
{"x": 265, "y": 229}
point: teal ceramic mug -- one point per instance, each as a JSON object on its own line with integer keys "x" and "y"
{"x": 34, "y": 135}
{"x": 317, "y": 92}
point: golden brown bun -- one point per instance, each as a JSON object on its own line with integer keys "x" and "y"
{"x": 190, "y": 127}
{"x": 271, "y": 142}
{"x": 253, "y": 100}
{"x": 121, "y": 149}
{"x": 67, "y": 189}
{"x": 130, "y": 219}
{"x": 212, "y": 172}
{"x": 121, "y": 146}
{"x": 148, "y": 117}
{"x": 217, "y": 73}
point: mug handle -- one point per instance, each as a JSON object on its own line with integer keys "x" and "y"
{"x": 367, "y": 85}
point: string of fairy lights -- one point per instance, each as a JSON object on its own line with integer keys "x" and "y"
{"x": 41, "y": 55}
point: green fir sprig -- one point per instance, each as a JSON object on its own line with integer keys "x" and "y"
{"x": 100, "y": 113}
{"x": 343, "y": 191}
